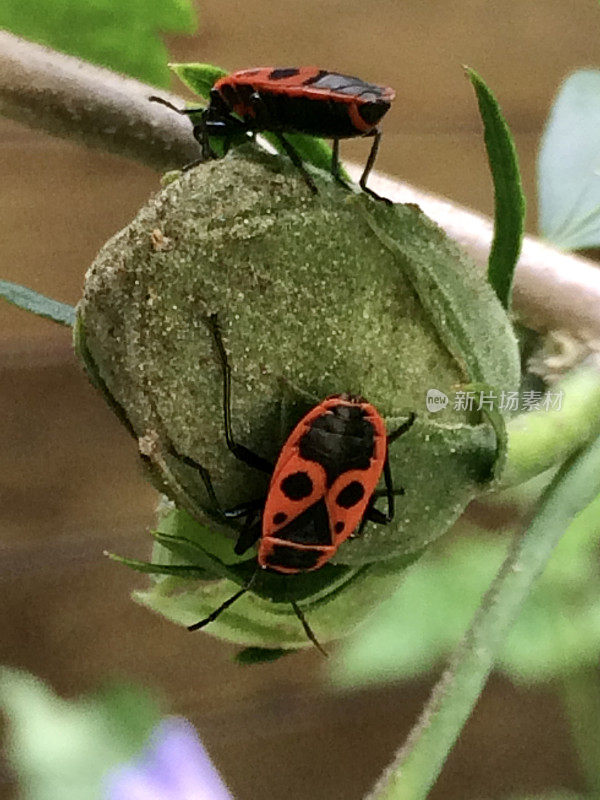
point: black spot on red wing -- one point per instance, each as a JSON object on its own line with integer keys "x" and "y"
{"x": 309, "y": 527}
{"x": 339, "y": 527}
{"x": 293, "y": 557}
{"x": 350, "y": 495}
{"x": 372, "y": 112}
{"x": 279, "y": 517}
{"x": 297, "y": 486}
{"x": 283, "y": 72}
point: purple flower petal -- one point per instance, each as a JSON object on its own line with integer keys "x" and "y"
{"x": 175, "y": 766}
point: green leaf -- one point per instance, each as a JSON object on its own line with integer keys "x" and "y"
{"x": 197, "y": 556}
{"x": 179, "y": 570}
{"x": 256, "y": 621}
{"x": 569, "y": 165}
{"x": 557, "y": 631}
{"x": 509, "y": 214}
{"x": 37, "y": 303}
{"x": 123, "y": 36}
{"x": 180, "y": 524}
{"x": 62, "y": 750}
{"x": 199, "y": 78}
{"x": 416, "y": 629}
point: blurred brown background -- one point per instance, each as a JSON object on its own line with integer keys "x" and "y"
{"x": 69, "y": 479}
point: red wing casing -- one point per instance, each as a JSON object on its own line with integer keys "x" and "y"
{"x": 322, "y": 484}
{"x": 306, "y": 99}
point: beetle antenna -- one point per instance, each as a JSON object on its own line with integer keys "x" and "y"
{"x": 154, "y": 99}
{"x": 307, "y": 629}
{"x": 213, "y": 615}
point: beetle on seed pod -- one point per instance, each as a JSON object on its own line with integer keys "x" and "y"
{"x": 316, "y": 295}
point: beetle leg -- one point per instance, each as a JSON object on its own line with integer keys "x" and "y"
{"x": 212, "y": 616}
{"x": 391, "y": 437}
{"x": 244, "y": 509}
{"x": 250, "y": 534}
{"x": 369, "y": 166}
{"x": 307, "y": 629}
{"x": 193, "y": 164}
{"x": 335, "y": 163}
{"x": 199, "y": 132}
{"x": 373, "y": 514}
{"x": 239, "y": 451}
{"x": 296, "y": 161}
{"x": 389, "y": 488}
{"x": 168, "y": 104}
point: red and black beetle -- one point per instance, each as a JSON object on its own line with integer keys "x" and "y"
{"x": 293, "y": 100}
{"x": 322, "y": 488}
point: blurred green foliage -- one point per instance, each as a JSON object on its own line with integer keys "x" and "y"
{"x": 123, "y": 35}
{"x": 62, "y": 749}
{"x": 415, "y": 631}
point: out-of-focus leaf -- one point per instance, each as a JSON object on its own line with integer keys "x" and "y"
{"x": 557, "y": 630}
{"x": 61, "y": 750}
{"x": 509, "y": 214}
{"x": 37, "y": 303}
{"x": 420, "y": 625}
{"x": 569, "y": 165}
{"x": 120, "y": 34}
{"x": 559, "y": 627}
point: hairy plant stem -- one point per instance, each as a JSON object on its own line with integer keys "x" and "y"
{"x": 541, "y": 439}
{"x": 99, "y": 108}
{"x": 418, "y": 763}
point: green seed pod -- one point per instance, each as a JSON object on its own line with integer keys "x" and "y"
{"x": 315, "y": 295}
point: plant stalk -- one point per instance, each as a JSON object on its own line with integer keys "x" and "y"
{"x": 98, "y": 108}
{"x": 418, "y": 763}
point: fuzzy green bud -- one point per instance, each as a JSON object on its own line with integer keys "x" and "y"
{"x": 315, "y": 295}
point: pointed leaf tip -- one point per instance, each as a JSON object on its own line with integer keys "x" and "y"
{"x": 509, "y": 213}
{"x": 200, "y": 78}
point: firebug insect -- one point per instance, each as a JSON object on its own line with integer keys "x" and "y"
{"x": 282, "y": 100}
{"x": 322, "y": 488}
